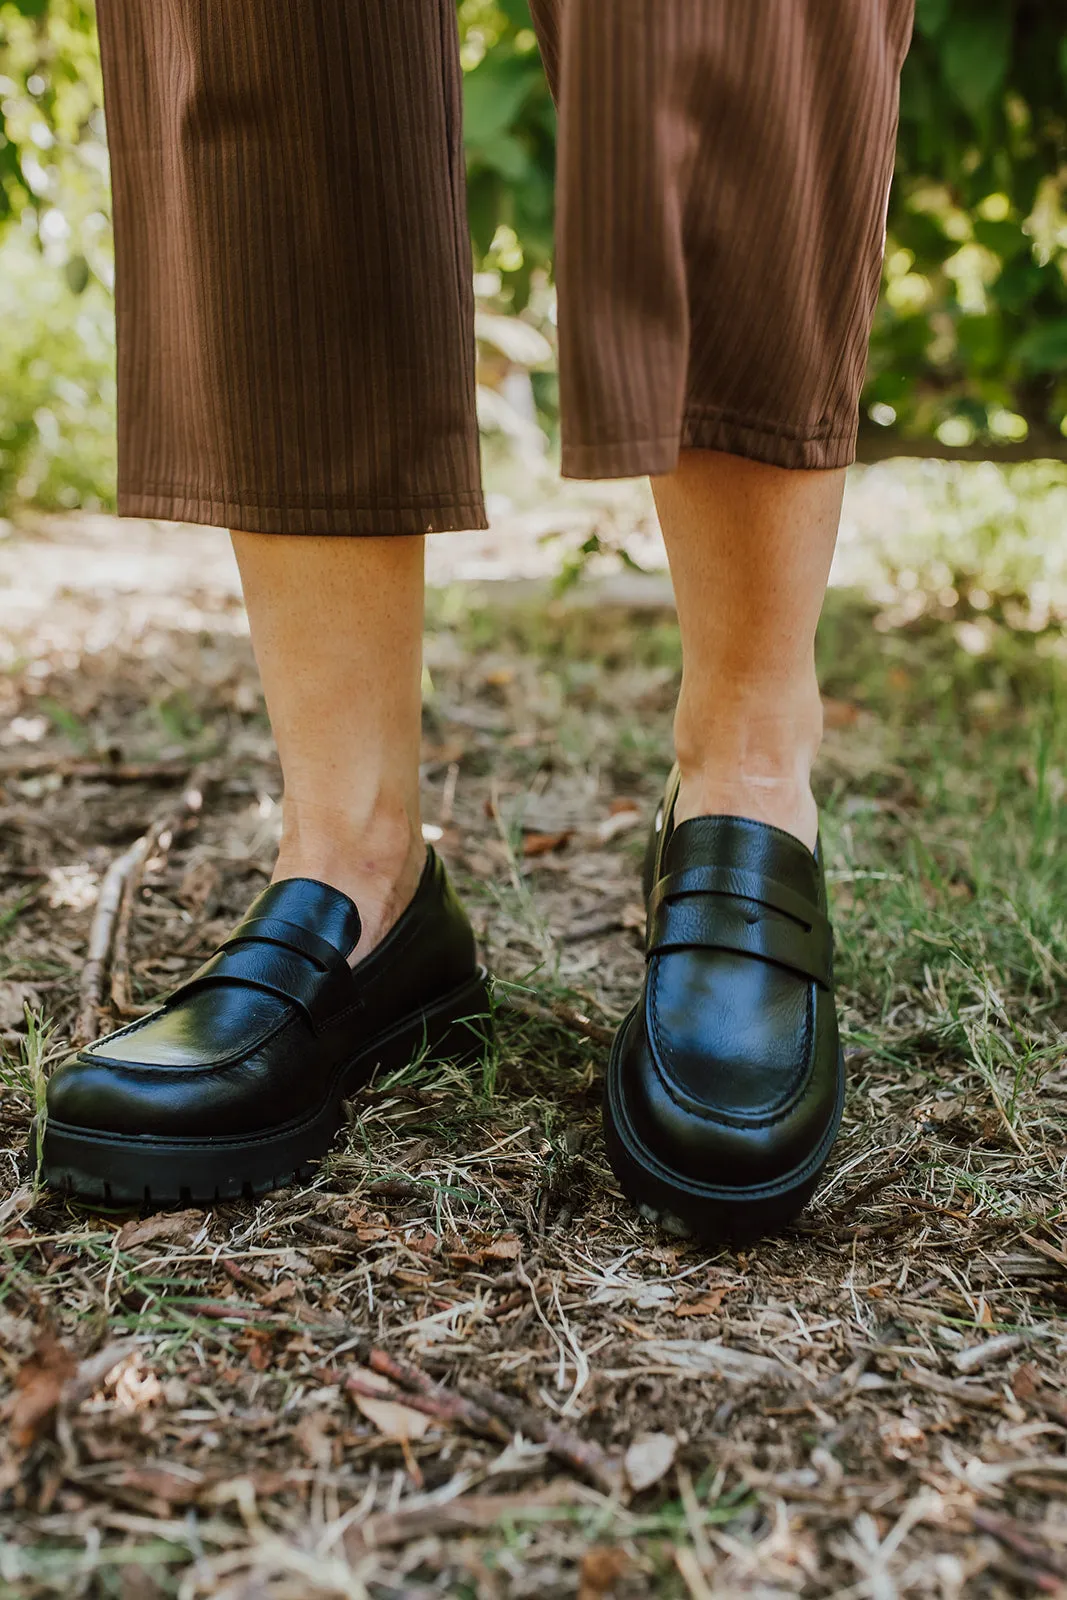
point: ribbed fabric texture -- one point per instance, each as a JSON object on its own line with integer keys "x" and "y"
{"x": 724, "y": 171}
{"x": 293, "y": 272}
{"x": 293, "y": 261}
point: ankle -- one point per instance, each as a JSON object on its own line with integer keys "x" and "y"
{"x": 375, "y": 854}
{"x": 751, "y": 757}
{"x": 785, "y": 805}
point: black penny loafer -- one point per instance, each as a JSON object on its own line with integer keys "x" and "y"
{"x": 726, "y": 1081}
{"x": 237, "y": 1081}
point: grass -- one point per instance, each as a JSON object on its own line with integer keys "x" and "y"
{"x": 467, "y": 1221}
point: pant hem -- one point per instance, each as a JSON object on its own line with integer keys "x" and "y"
{"x": 460, "y": 514}
{"x": 705, "y": 429}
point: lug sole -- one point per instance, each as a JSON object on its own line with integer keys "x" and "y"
{"x": 122, "y": 1170}
{"x": 714, "y": 1215}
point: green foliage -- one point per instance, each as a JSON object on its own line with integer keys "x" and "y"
{"x": 56, "y": 355}
{"x": 510, "y": 131}
{"x": 970, "y": 342}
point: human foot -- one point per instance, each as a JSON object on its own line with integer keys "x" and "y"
{"x": 238, "y": 1080}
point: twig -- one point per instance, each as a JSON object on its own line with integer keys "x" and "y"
{"x": 101, "y": 933}
{"x": 583, "y": 1455}
{"x": 502, "y": 828}
{"x": 121, "y": 998}
{"x": 1050, "y": 1251}
{"x": 340, "y": 1238}
{"x": 564, "y": 1016}
{"x": 443, "y": 1406}
{"x": 465, "y": 1515}
{"x": 245, "y": 1279}
{"x": 593, "y": 927}
{"x": 445, "y": 1403}
{"x": 968, "y": 1394}
{"x": 482, "y": 1410}
{"x": 99, "y": 771}
{"x": 1017, "y": 1539}
{"x": 110, "y": 911}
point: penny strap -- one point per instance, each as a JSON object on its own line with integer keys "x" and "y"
{"x": 283, "y": 959}
{"x": 727, "y": 908}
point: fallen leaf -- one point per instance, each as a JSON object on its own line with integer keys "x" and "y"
{"x": 542, "y": 844}
{"x": 280, "y": 1292}
{"x": 94, "y": 1369}
{"x": 15, "y": 996}
{"x": 312, "y": 1435}
{"x": 391, "y": 1417}
{"x": 261, "y": 1355}
{"x": 448, "y": 752}
{"x": 137, "y": 1584}
{"x": 16, "y": 1205}
{"x": 198, "y": 885}
{"x": 174, "y": 1487}
{"x": 901, "y": 1438}
{"x": 39, "y": 1388}
{"x": 708, "y": 1304}
{"x": 602, "y": 1567}
{"x": 839, "y": 713}
{"x": 648, "y": 1458}
{"x": 618, "y": 822}
{"x": 170, "y": 1227}
{"x": 508, "y": 1248}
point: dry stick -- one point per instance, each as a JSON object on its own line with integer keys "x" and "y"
{"x": 99, "y": 771}
{"x": 480, "y": 1406}
{"x": 563, "y": 1015}
{"x": 581, "y": 1454}
{"x": 1017, "y": 1538}
{"x": 109, "y": 905}
{"x": 121, "y": 998}
{"x": 466, "y": 1514}
{"x": 443, "y": 1407}
{"x": 1050, "y": 1251}
{"x": 101, "y": 933}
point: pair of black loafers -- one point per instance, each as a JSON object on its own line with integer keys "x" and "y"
{"x": 724, "y": 1086}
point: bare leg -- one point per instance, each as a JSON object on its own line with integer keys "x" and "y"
{"x": 337, "y": 631}
{"x": 750, "y": 549}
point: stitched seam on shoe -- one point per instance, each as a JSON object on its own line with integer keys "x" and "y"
{"x": 266, "y": 1136}
{"x": 661, "y": 1056}
{"x": 146, "y": 1068}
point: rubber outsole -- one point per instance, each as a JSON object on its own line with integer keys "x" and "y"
{"x": 118, "y": 1169}
{"x": 709, "y": 1213}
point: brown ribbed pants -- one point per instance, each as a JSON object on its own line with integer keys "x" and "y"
{"x": 293, "y": 274}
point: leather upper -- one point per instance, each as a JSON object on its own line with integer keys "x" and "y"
{"x": 728, "y": 1065}
{"x": 253, "y": 1039}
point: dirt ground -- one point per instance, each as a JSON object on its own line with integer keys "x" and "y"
{"x": 456, "y": 1364}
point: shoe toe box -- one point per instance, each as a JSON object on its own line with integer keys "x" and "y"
{"x": 725, "y": 1088}
{"x": 190, "y": 1072}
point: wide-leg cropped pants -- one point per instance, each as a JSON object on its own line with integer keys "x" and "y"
{"x": 293, "y": 272}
